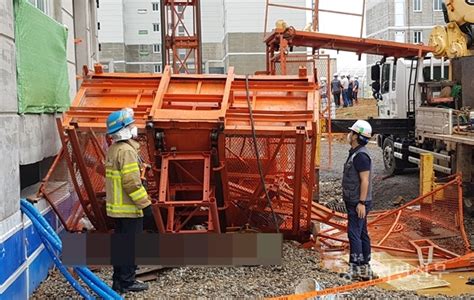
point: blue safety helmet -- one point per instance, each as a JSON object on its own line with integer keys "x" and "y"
{"x": 119, "y": 119}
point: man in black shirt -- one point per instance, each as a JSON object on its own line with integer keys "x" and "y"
{"x": 336, "y": 88}
{"x": 357, "y": 196}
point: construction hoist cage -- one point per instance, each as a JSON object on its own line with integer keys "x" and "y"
{"x": 198, "y": 144}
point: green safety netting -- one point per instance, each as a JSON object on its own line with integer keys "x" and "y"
{"x": 41, "y": 60}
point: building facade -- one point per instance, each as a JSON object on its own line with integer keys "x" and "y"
{"x": 130, "y": 35}
{"x": 231, "y": 31}
{"x": 406, "y": 21}
{"x": 29, "y": 142}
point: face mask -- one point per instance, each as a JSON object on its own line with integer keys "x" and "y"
{"x": 134, "y": 131}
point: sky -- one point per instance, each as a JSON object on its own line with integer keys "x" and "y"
{"x": 347, "y": 62}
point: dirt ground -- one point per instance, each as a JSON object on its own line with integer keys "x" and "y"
{"x": 366, "y": 108}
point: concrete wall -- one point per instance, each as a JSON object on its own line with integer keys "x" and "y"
{"x": 9, "y": 172}
{"x": 29, "y": 139}
{"x": 138, "y": 15}
{"x": 110, "y": 16}
{"x": 85, "y": 30}
{"x": 212, "y": 21}
{"x": 113, "y": 52}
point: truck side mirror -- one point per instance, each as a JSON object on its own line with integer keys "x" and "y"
{"x": 375, "y": 73}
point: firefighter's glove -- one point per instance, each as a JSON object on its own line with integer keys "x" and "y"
{"x": 148, "y": 212}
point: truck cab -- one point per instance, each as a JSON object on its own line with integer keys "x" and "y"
{"x": 397, "y": 88}
{"x": 399, "y": 94}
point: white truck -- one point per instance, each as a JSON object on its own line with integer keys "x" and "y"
{"x": 420, "y": 103}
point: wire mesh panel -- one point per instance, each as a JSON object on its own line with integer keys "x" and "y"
{"x": 60, "y": 183}
{"x": 437, "y": 218}
{"x": 294, "y": 63}
{"x": 246, "y": 193}
{"x": 432, "y": 220}
{"x": 327, "y": 108}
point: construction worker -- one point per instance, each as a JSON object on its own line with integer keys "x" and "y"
{"x": 345, "y": 88}
{"x": 336, "y": 89}
{"x": 323, "y": 92}
{"x": 357, "y": 196}
{"x": 127, "y": 199}
{"x": 349, "y": 89}
{"x": 355, "y": 90}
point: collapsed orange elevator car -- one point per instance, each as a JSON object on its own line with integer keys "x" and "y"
{"x": 218, "y": 152}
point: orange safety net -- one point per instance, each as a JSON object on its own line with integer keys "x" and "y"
{"x": 59, "y": 183}
{"x": 278, "y": 157}
{"x": 432, "y": 220}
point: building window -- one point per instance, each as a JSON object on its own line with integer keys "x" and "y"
{"x": 42, "y": 5}
{"x": 181, "y": 30}
{"x": 417, "y": 5}
{"x": 417, "y": 37}
{"x": 437, "y": 5}
{"x": 156, "y": 48}
{"x": 155, "y": 6}
{"x": 143, "y": 50}
{"x": 142, "y": 10}
{"x": 180, "y": 8}
{"x": 182, "y": 53}
{"x": 156, "y": 27}
{"x": 157, "y": 68}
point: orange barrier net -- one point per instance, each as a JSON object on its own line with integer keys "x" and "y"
{"x": 287, "y": 165}
{"x": 434, "y": 220}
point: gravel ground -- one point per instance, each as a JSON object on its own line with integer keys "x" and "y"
{"x": 258, "y": 282}
{"x": 230, "y": 282}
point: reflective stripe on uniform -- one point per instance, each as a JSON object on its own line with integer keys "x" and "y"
{"x": 138, "y": 194}
{"x": 112, "y": 173}
{"x": 115, "y": 190}
{"x": 123, "y": 209}
{"x": 129, "y": 168}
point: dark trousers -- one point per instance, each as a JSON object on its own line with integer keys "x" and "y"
{"x": 345, "y": 97}
{"x": 123, "y": 249}
{"x": 337, "y": 99}
{"x": 359, "y": 240}
{"x": 354, "y": 97}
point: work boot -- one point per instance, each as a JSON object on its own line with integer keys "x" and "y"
{"x": 366, "y": 273}
{"x": 352, "y": 274}
{"x": 137, "y": 286}
{"x": 116, "y": 287}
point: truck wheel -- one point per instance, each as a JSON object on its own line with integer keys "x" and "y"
{"x": 391, "y": 164}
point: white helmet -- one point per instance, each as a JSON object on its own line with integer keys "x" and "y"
{"x": 335, "y": 75}
{"x": 362, "y": 127}
{"x": 322, "y": 78}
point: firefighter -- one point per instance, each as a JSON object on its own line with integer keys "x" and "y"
{"x": 127, "y": 200}
{"x": 357, "y": 196}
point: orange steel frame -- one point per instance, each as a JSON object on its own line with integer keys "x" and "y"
{"x": 176, "y": 15}
{"x": 279, "y": 42}
{"x": 187, "y": 120}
